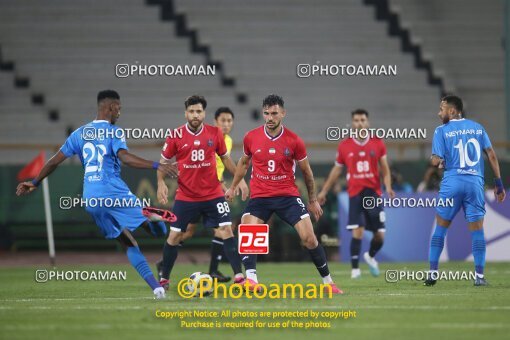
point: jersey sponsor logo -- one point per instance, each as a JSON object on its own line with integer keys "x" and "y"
{"x": 258, "y": 150}
{"x": 253, "y": 239}
{"x": 182, "y": 147}
{"x": 272, "y": 178}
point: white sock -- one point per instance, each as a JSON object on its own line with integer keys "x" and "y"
{"x": 479, "y": 275}
{"x": 252, "y": 274}
{"x": 327, "y": 279}
{"x": 239, "y": 276}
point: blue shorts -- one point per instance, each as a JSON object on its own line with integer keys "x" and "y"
{"x": 467, "y": 192}
{"x": 371, "y": 219}
{"x": 216, "y": 213}
{"x": 111, "y": 220}
{"x": 291, "y": 209}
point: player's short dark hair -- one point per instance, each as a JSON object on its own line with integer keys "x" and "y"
{"x": 107, "y": 94}
{"x": 223, "y": 109}
{"x": 454, "y": 101}
{"x": 273, "y": 99}
{"x": 195, "y": 99}
{"x": 359, "y": 112}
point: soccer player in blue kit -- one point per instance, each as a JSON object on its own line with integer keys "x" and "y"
{"x": 457, "y": 147}
{"x": 101, "y": 145}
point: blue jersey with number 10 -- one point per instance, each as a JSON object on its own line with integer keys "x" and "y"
{"x": 97, "y": 144}
{"x": 461, "y": 143}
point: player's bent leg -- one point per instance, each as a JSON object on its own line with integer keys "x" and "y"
{"x": 305, "y": 231}
{"x": 190, "y": 231}
{"x": 436, "y": 247}
{"x": 375, "y": 245}
{"x": 355, "y": 250}
{"x": 139, "y": 262}
{"x": 155, "y": 228}
{"x": 170, "y": 251}
{"x": 479, "y": 249}
{"x": 230, "y": 248}
{"x": 250, "y": 261}
{"x": 217, "y": 253}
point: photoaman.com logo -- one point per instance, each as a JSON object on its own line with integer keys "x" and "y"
{"x": 188, "y": 288}
{"x": 253, "y": 239}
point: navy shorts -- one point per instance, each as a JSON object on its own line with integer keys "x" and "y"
{"x": 372, "y": 219}
{"x": 291, "y": 209}
{"x": 216, "y": 213}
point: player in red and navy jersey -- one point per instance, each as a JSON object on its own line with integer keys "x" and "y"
{"x": 362, "y": 158}
{"x": 199, "y": 191}
{"x": 274, "y": 151}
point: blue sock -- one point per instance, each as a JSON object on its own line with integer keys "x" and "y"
{"x": 158, "y": 229}
{"x": 436, "y": 246}
{"x": 138, "y": 261}
{"x": 478, "y": 246}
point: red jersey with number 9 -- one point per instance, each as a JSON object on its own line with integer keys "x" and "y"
{"x": 196, "y": 157}
{"x": 273, "y": 162}
{"x": 362, "y": 162}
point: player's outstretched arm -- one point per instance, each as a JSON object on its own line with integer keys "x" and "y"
{"x": 134, "y": 161}
{"x": 334, "y": 175}
{"x": 387, "y": 176}
{"x": 313, "y": 205}
{"x": 231, "y": 167}
{"x": 499, "y": 190}
{"x": 50, "y": 166}
{"x": 240, "y": 172}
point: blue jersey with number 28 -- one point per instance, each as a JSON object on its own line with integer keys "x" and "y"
{"x": 461, "y": 143}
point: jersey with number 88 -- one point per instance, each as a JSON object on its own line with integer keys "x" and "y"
{"x": 195, "y": 153}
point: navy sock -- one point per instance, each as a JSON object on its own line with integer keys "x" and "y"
{"x": 318, "y": 256}
{"x": 158, "y": 229}
{"x": 436, "y": 246}
{"x": 139, "y": 262}
{"x": 216, "y": 254}
{"x": 478, "y": 247}
{"x": 375, "y": 245}
{"x": 355, "y": 250}
{"x": 230, "y": 248}
{"x": 249, "y": 262}
{"x": 169, "y": 257}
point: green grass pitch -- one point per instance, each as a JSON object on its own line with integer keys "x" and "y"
{"x": 126, "y": 309}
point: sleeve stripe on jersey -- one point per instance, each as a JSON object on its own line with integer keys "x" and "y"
{"x": 164, "y": 157}
{"x": 338, "y": 164}
{"x": 303, "y": 158}
{"x": 226, "y": 153}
